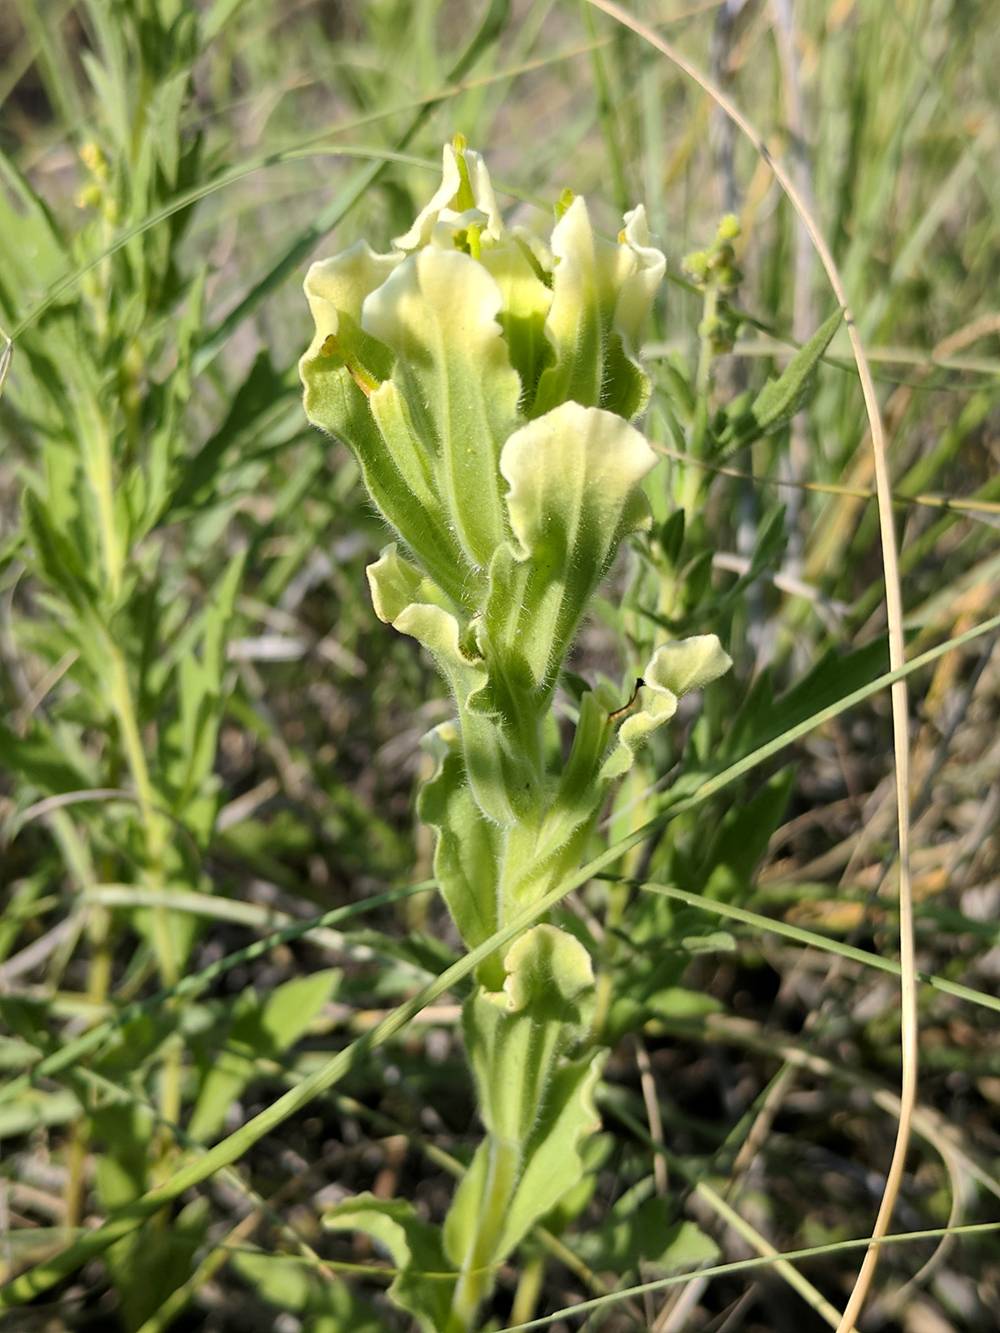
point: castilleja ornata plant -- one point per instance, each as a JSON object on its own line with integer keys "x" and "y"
{"x": 488, "y": 384}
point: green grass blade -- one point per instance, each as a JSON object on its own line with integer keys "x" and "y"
{"x": 815, "y": 941}
{"x": 747, "y": 1265}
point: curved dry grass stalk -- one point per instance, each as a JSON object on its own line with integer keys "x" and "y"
{"x": 5, "y": 359}
{"x": 894, "y": 616}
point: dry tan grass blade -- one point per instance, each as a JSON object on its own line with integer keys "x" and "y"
{"x": 6, "y": 357}
{"x": 894, "y": 616}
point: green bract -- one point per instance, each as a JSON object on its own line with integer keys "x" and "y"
{"x": 488, "y": 383}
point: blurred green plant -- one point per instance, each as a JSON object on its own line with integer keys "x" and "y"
{"x": 126, "y": 603}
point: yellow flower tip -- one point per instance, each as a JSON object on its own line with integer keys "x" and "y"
{"x": 459, "y": 142}
{"x": 465, "y": 196}
{"x": 563, "y": 203}
{"x": 468, "y": 240}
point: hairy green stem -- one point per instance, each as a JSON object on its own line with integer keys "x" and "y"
{"x": 477, "y": 1276}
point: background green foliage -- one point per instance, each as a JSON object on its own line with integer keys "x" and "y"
{"x": 206, "y": 736}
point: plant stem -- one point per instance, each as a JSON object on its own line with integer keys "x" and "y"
{"x": 476, "y": 1278}
{"x": 98, "y": 985}
{"x": 529, "y": 1288}
{"x": 100, "y": 473}
{"x": 691, "y": 481}
{"x": 155, "y": 834}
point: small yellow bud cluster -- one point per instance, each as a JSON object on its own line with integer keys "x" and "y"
{"x": 96, "y": 193}
{"x": 716, "y": 273}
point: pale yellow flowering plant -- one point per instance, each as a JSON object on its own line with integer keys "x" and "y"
{"x": 488, "y": 383}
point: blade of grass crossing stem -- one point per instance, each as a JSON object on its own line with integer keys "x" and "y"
{"x": 815, "y": 941}
{"x": 894, "y": 616}
{"x": 192, "y": 984}
{"x": 748, "y": 1265}
{"x": 50, "y": 1271}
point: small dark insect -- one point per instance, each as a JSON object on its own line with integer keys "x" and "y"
{"x": 639, "y": 682}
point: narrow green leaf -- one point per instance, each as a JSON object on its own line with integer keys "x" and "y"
{"x": 781, "y": 398}
{"x": 57, "y": 558}
{"x": 6, "y": 356}
{"x": 36, "y": 1110}
{"x": 743, "y": 836}
{"x": 195, "y": 481}
{"x": 200, "y": 685}
{"x": 39, "y": 761}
